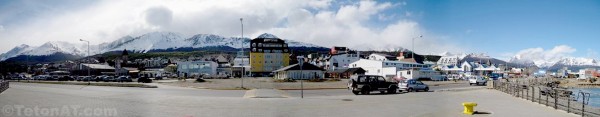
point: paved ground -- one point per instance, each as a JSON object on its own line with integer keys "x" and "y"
{"x": 269, "y": 83}
{"x": 188, "y": 102}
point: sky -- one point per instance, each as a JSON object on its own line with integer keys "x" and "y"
{"x": 531, "y": 29}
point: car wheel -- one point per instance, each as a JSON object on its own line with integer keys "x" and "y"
{"x": 392, "y": 91}
{"x": 471, "y": 84}
{"x": 366, "y": 90}
{"x": 426, "y": 89}
{"x": 409, "y": 90}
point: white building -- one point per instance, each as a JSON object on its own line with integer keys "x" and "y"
{"x": 382, "y": 57}
{"x": 385, "y": 68}
{"x": 342, "y": 60}
{"x": 191, "y": 68}
{"x": 308, "y": 71}
{"x": 449, "y": 60}
{"x": 420, "y": 74}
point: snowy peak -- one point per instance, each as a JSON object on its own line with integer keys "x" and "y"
{"x": 267, "y": 36}
{"x": 206, "y": 40}
{"x": 565, "y": 61}
{"x": 58, "y": 46}
{"x": 577, "y": 62}
{"x": 15, "y": 52}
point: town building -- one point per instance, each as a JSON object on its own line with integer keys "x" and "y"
{"x": 241, "y": 65}
{"x": 267, "y": 54}
{"x": 385, "y": 68}
{"x": 449, "y": 60}
{"x": 340, "y": 58}
{"x": 382, "y": 57}
{"x": 196, "y": 68}
{"x": 345, "y": 73}
{"x": 94, "y": 69}
{"x": 308, "y": 71}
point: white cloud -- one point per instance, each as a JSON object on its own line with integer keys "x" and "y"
{"x": 408, "y": 14}
{"x": 105, "y": 21}
{"x": 1, "y": 28}
{"x": 543, "y": 57}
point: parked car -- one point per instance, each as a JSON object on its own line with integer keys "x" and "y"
{"x": 412, "y": 85}
{"x": 158, "y": 78}
{"x": 66, "y": 78}
{"x": 124, "y": 79}
{"x": 52, "y": 78}
{"x": 144, "y": 79}
{"x": 85, "y": 78}
{"x": 364, "y": 84}
{"x": 41, "y": 77}
{"x": 109, "y": 79}
{"x": 98, "y": 78}
{"x": 477, "y": 80}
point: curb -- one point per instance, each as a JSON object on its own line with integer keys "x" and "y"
{"x": 93, "y": 84}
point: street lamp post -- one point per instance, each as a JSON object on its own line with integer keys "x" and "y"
{"x": 301, "y": 62}
{"x": 242, "y": 48}
{"x": 88, "y": 51}
{"x": 413, "y": 46}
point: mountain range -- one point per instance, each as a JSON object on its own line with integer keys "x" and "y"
{"x": 572, "y": 63}
{"x": 154, "y": 41}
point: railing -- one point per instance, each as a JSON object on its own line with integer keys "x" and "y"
{"x": 3, "y": 86}
{"x": 544, "y": 91}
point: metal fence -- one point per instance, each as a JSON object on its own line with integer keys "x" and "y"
{"x": 545, "y": 91}
{"x": 3, "y": 86}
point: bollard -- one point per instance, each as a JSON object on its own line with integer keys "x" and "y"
{"x": 540, "y": 95}
{"x": 555, "y": 99}
{"x": 469, "y": 107}
{"x": 547, "y": 98}
{"x": 569, "y": 104}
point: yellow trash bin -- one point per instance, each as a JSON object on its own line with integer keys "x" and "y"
{"x": 469, "y": 107}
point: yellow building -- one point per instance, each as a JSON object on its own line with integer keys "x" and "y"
{"x": 267, "y": 54}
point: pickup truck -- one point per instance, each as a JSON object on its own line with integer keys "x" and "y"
{"x": 364, "y": 84}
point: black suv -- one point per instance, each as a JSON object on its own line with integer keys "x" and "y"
{"x": 364, "y": 84}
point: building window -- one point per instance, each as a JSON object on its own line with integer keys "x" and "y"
{"x": 253, "y": 44}
{"x": 407, "y": 72}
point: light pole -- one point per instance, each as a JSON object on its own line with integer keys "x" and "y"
{"x": 88, "y": 51}
{"x": 301, "y": 62}
{"x": 413, "y": 46}
{"x": 242, "y": 48}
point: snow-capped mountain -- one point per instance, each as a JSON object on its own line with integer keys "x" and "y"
{"x": 144, "y": 43}
{"x": 577, "y": 61}
{"x": 15, "y": 52}
{"x": 564, "y": 61}
{"x": 52, "y": 47}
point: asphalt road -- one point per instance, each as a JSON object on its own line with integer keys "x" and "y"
{"x": 23, "y": 99}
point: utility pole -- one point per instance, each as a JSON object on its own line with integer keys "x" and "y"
{"x": 88, "y": 51}
{"x": 242, "y": 48}
{"x": 413, "y": 46}
{"x": 300, "y": 63}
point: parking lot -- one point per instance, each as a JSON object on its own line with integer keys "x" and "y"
{"x": 180, "y": 101}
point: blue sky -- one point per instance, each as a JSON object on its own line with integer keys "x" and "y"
{"x": 500, "y": 28}
{"x": 507, "y": 26}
